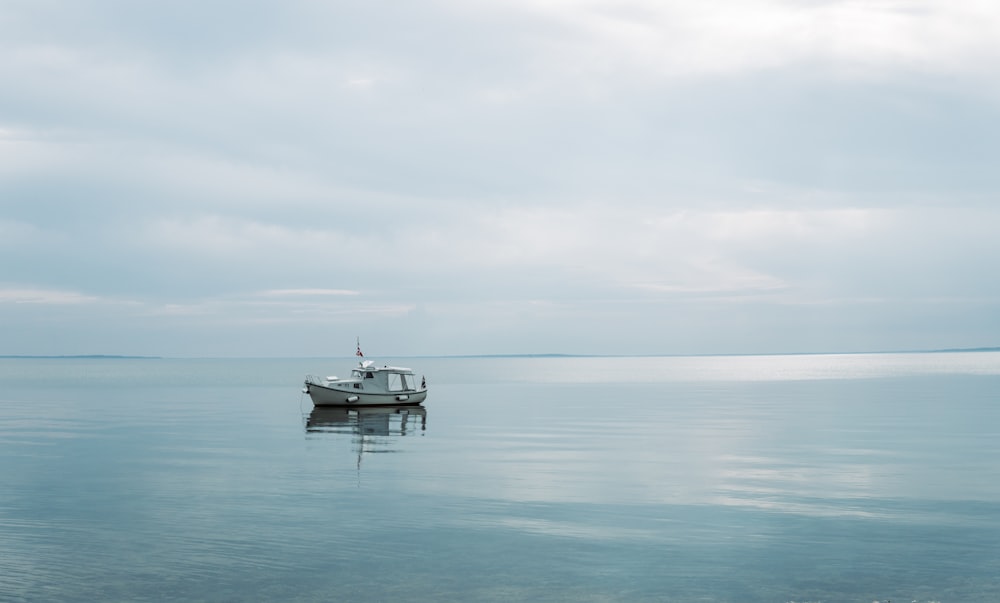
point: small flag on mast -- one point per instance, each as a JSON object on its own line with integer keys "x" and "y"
{"x": 358, "y": 353}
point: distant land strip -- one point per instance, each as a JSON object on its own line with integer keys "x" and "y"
{"x": 995, "y": 349}
{"x": 929, "y": 351}
{"x": 81, "y": 356}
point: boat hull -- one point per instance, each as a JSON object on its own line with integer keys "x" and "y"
{"x": 329, "y": 396}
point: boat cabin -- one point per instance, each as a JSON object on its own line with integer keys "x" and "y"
{"x": 386, "y": 378}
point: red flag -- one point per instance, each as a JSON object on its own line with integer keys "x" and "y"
{"x": 358, "y": 353}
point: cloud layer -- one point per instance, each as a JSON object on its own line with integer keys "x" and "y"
{"x": 271, "y": 178}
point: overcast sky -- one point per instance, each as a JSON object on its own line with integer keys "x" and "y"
{"x": 275, "y": 178}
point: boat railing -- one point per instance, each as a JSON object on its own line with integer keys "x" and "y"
{"x": 314, "y": 379}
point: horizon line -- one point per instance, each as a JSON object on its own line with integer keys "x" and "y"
{"x": 509, "y": 355}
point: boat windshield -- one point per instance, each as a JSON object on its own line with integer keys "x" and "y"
{"x": 400, "y": 382}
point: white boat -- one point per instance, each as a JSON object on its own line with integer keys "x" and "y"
{"x": 368, "y": 385}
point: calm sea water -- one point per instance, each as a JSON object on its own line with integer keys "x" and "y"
{"x": 712, "y": 479}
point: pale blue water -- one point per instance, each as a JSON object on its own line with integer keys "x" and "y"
{"x": 738, "y": 479}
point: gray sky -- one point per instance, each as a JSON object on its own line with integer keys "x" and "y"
{"x": 265, "y": 178}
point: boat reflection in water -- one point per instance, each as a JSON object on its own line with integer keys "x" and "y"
{"x": 371, "y": 428}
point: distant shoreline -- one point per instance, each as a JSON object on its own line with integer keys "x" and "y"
{"x": 81, "y": 357}
{"x": 934, "y": 351}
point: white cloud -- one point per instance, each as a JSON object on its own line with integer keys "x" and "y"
{"x": 238, "y": 310}
{"x": 307, "y": 292}
{"x": 680, "y": 38}
{"x": 769, "y": 225}
{"x": 45, "y": 296}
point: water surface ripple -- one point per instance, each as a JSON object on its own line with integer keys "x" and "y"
{"x": 728, "y": 479}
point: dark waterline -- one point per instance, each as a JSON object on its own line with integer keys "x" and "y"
{"x": 737, "y": 479}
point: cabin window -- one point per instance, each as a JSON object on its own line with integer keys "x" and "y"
{"x": 407, "y": 381}
{"x": 395, "y": 382}
{"x": 357, "y": 386}
{"x": 369, "y": 375}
